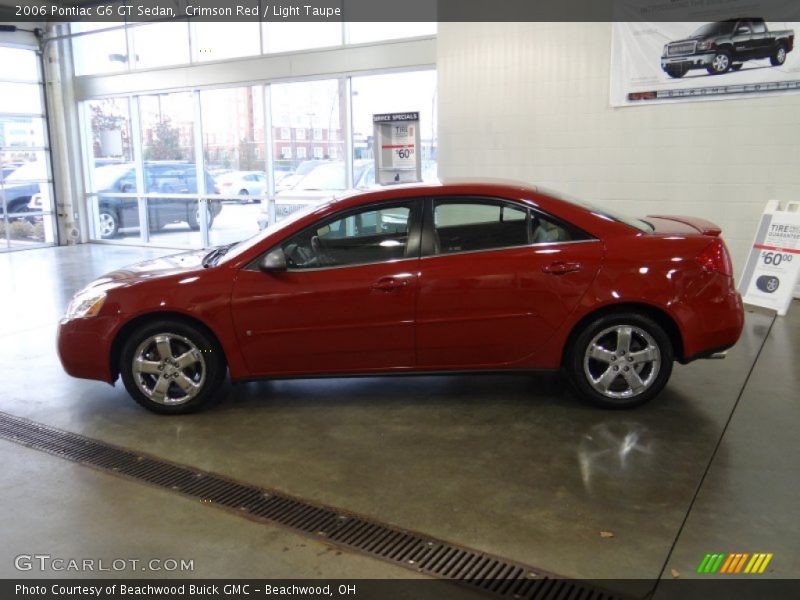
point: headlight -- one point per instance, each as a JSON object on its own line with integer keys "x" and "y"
{"x": 86, "y": 304}
{"x": 705, "y": 45}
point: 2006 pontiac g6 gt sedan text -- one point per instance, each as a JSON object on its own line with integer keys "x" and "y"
{"x": 447, "y": 277}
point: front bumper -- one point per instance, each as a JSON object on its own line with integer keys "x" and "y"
{"x": 692, "y": 61}
{"x": 84, "y": 347}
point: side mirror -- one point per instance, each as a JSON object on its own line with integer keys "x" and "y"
{"x": 274, "y": 262}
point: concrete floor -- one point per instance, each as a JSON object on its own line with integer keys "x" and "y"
{"x": 511, "y": 465}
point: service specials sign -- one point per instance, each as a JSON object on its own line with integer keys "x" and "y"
{"x": 773, "y": 266}
{"x": 741, "y": 55}
{"x": 397, "y": 138}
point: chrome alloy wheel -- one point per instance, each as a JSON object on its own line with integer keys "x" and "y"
{"x": 720, "y": 63}
{"x": 780, "y": 55}
{"x": 622, "y": 361}
{"x": 169, "y": 369}
{"x": 106, "y": 223}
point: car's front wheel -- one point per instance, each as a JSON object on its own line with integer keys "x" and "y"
{"x": 721, "y": 63}
{"x": 620, "y": 360}
{"x": 676, "y": 71}
{"x": 172, "y": 367}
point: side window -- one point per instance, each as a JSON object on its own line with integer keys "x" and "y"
{"x": 548, "y": 231}
{"x": 469, "y": 225}
{"x": 367, "y": 236}
{"x": 758, "y": 26}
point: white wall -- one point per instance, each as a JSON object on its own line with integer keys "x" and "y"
{"x": 530, "y": 101}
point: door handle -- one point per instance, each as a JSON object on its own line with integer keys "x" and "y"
{"x": 561, "y": 268}
{"x": 388, "y": 284}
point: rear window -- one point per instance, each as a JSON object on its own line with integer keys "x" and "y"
{"x": 602, "y": 211}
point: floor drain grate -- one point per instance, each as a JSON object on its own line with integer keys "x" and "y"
{"x": 421, "y": 553}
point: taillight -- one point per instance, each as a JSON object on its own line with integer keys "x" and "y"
{"x": 715, "y": 257}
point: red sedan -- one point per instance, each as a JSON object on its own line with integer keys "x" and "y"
{"x": 449, "y": 277}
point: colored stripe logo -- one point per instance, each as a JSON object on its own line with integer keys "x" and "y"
{"x": 734, "y": 563}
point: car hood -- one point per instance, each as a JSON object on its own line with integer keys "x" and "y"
{"x": 156, "y": 268}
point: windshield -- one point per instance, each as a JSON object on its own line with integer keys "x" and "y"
{"x": 714, "y": 29}
{"x": 243, "y": 246}
{"x": 600, "y": 210}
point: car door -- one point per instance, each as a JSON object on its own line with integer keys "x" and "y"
{"x": 345, "y": 302}
{"x": 743, "y": 41}
{"x": 496, "y": 281}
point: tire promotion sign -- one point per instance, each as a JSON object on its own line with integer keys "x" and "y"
{"x": 712, "y": 58}
{"x": 773, "y": 265}
{"x": 397, "y": 142}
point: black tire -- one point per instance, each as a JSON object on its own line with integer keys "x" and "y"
{"x": 210, "y": 373}
{"x": 244, "y": 193}
{"x": 193, "y": 219}
{"x": 107, "y": 222}
{"x": 655, "y": 373}
{"x": 676, "y": 71}
{"x": 778, "y": 56}
{"x": 721, "y": 63}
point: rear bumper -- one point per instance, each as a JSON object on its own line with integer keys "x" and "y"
{"x": 84, "y": 347}
{"x": 716, "y": 325}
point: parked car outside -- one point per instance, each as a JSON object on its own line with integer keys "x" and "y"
{"x": 726, "y": 45}
{"x": 423, "y": 278}
{"x": 19, "y": 187}
{"x": 242, "y": 183}
{"x": 163, "y": 177}
{"x": 289, "y": 180}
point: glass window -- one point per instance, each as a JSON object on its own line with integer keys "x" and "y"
{"x": 547, "y": 231}
{"x": 367, "y": 236}
{"x": 105, "y": 52}
{"x": 468, "y": 225}
{"x": 233, "y": 145}
{"x": 20, "y": 98}
{"x": 26, "y": 198}
{"x": 313, "y": 109}
{"x": 394, "y": 92}
{"x": 282, "y": 36}
{"x": 221, "y": 40}
{"x": 360, "y": 33}
{"x": 169, "y": 168}
{"x": 18, "y": 64}
{"x": 160, "y": 44}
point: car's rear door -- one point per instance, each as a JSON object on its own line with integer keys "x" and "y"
{"x": 496, "y": 280}
{"x": 346, "y": 302}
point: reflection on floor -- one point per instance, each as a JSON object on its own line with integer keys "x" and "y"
{"x": 512, "y": 465}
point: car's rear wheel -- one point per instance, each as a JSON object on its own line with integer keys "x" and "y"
{"x": 172, "y": 367}
{"x": 244, "y": 193}
{"x": 721, "y": 63}
{"x": 778, "y": 56}
{"x": 194, "y": 219}
{"x": 107, "y": 222}
{"x": 620, "y": 360}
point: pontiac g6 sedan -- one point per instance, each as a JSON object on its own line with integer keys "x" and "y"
{"x": 441, "y": 278}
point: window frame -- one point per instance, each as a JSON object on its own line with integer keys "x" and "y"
{"x": 428, "y": 244}
{"x": 413, "y": 247}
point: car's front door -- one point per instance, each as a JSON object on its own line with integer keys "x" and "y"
{"x": 346, "y": 301}
{"x": 496, "y": 280}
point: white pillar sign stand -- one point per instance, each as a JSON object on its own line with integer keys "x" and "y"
{"x": 772, "y": 270}
{"x": 397, "y": 141}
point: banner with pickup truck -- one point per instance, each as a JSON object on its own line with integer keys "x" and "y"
{"x": 743, "y": 56}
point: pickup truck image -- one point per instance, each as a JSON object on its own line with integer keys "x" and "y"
{"x": 725, "y": 45}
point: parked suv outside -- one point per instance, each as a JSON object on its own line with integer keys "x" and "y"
{"x": 161, "y": 177}
{"x": 725, "y": 45}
